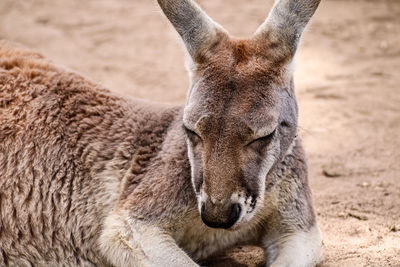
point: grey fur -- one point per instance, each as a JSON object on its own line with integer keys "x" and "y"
{"x": 286, "y": 22}
{"x": 197, "y": 30}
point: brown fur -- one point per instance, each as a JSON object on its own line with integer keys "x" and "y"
{"x": 91, "y": 179}
{"x": 57, "y": 132}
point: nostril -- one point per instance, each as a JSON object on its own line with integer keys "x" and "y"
{"x": 235, "y": 213}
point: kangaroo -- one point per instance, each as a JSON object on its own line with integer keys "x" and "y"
{"x": 88, "y": 178}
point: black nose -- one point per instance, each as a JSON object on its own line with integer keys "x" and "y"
{"x": 232, "y": 218}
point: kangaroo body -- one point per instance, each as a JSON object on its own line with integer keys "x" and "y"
{"x": 88, "y": 178}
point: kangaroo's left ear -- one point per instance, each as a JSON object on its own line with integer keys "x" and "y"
{"x": 197, "y": 30}
{"x": 286, "y": 23}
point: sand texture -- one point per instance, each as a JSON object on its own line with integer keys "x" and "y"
{"x": 348, "y": 87}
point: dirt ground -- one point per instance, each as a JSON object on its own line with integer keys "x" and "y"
{"x": 348, "y": 87}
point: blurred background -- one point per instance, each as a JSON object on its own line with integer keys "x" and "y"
{"x": 348, "y": 88}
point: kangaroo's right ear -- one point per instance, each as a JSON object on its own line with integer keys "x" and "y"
{"x": 197, "y": 30}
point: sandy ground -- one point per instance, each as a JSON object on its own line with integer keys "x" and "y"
{"x": 348, "y": 76}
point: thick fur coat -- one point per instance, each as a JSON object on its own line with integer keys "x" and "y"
{"x": 88, "y": 178}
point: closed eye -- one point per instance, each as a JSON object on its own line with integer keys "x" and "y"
{"x": 192, "y": 135}
{"x": 265, "y": 140}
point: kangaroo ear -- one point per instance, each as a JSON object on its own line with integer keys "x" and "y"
{"x": 286, "y": 23}
{"x": 197, "y": 30}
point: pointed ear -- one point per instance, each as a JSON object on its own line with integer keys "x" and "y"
{"x": 197, "y": 30}
{"x": 286, "y": 23}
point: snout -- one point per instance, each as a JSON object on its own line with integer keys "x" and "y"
{"x": 220, "y": 215}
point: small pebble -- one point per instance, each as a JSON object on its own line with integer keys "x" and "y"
{"x": 383, "y": 45}
{"x": 365, "y": 184}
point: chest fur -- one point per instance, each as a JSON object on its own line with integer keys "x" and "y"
{"x": 200, "y": 241}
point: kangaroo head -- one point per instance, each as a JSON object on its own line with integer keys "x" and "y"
{"x": 241, "y": 113}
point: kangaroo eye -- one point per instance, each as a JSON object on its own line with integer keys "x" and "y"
{"x": 192, "y": 135}
{"x": 263, "y": 141}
